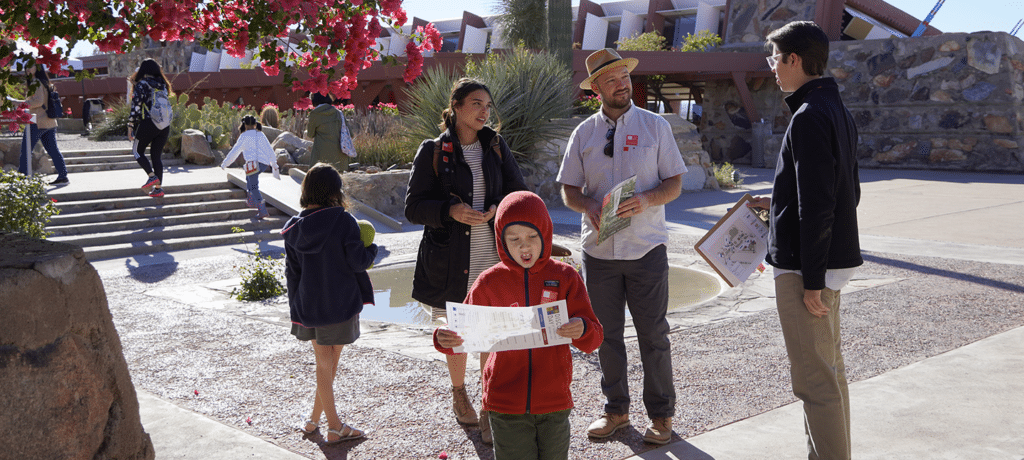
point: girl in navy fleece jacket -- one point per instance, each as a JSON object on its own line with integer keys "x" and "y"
{"x": 325, "y": 265}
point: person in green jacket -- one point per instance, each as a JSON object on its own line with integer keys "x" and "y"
{"x": 323, "y": 127}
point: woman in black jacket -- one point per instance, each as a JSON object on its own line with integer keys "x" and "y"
{"x": 456, "y": 184}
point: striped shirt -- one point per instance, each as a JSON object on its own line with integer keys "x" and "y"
{"x": 483, "y": 253}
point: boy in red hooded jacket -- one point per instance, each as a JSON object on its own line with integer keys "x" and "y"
{"x": 526, "y": 392}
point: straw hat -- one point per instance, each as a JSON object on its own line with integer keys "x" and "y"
{"x": 601, "y": 61}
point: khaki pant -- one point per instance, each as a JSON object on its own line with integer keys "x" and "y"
{"x": 816, "y": 368}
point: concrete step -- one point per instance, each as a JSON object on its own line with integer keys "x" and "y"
{"x": 164, "y": 233}
{"x": 79, "y": 168}
{"x": 85, "y": 160}
{"x": 133, "y": 190}
{"x": 140, "y": 200}
{"x": 158, "y": 222}
{"x": 157, "y": 209}
{"x": 177, "y": 244}
{"x": 96, "y": 152}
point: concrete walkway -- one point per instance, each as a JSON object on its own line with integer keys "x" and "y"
{"x": 962, "y": 404}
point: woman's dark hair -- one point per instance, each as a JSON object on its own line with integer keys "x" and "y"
{"x": 322, "y": 187}
{"x": 460, "y": 90}
{"x": 319, "y": 98}
{"x": 249, "y": 120}
{"x": 152, "y": 68}
{"x": 40, "y": 75}
{"x": 805, "y": 39}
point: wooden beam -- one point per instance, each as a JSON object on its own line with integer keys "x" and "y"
{"x": 740, "y": 79}
{"x": 829, "y": 15}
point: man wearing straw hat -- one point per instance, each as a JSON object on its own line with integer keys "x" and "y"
{"x": 631, "y": 266}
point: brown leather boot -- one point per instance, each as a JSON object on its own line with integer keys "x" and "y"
{"x": 464, "y": 411}
{"x": 607, "y": 425}
{"x": 660, "y": 431}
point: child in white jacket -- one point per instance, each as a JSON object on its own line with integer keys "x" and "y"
{"x": 255, "y": 147}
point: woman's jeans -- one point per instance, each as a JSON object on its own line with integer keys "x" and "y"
{"x": 49, "y": 138}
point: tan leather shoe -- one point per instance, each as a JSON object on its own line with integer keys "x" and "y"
{"x": 464, "y": 411}
{"x": 607, "y": 425}
{"x": 660, "y": 431}
{"x": 485, "y": 428}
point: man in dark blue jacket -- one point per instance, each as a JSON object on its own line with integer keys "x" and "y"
{"x": 813, "y": 244}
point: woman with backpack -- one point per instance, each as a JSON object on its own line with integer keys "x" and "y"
{"x": 456, "y": 184}
{"x": 149, "y": 121}
{"x": 44, "y": 129}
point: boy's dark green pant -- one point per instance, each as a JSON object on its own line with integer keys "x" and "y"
{"x": 531, "y": 436}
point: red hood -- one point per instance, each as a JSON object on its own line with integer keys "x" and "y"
{"x": 523, "y": 208}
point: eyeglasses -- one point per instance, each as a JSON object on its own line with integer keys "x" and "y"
{"x": 609, "y": 148}
{"x": 772, "y": 60}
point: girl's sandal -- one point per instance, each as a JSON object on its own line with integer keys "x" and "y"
{"x": 346, "y": 433}
{"x": 305, "y": 428}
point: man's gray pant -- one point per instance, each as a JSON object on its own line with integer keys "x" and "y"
{"x": 816, "y": 368}
{"x": 643, "y": 285}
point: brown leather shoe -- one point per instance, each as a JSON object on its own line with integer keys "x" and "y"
{"x": 485, "y": 428}
{"x": 464, "y": 411}
{"x": 660, "y": 431}
{"x": 607, "y": 425}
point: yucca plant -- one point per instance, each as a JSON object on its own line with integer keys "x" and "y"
{"x": 427, "y": 98}
{"x": 529, "y": 88}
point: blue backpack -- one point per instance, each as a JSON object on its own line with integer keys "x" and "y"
{"x": 53, "y": 107}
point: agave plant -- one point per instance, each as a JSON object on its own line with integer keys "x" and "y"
{"x": 427, "y": 98}
{"x": 529, "y": 88}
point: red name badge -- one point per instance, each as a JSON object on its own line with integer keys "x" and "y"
{"x": 446, "y": 146}
{"x": 632, "y": 139}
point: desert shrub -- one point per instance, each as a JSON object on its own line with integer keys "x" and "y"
{"x": 529, "y": 89}
{"x": 24, "y": 207}
{"x": 114, "y": 124}
{"x": 261, "y": 276}
{"x": 727, "y": 175}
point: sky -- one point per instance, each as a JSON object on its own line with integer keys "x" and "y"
{"x": 954, "y": 16}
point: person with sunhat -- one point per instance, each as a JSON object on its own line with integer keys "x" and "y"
{"x": 630, "y": 266}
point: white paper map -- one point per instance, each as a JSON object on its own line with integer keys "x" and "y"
{"x": 737, "y": 244}
{"x": 487, "y": 329}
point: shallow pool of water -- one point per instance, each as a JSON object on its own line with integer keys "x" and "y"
{"x": 394, "y": 304}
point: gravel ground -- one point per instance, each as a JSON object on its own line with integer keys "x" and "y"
{"x": 76, "y": 141}
{"x": 726, "y": 371}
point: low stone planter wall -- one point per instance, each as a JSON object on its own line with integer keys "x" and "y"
{"x": 385, "y": 191}
{"x": 10, "y": 154}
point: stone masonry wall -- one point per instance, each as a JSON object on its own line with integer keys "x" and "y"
{"x": 951, "y": 102}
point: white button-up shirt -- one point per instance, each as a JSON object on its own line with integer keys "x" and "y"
{"x": 645, "y": 147}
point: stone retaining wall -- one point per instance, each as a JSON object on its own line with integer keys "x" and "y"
{"x": 951, "y": 102}
{"x": 10, "y": 154}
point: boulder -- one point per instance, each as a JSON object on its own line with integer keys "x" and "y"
{"x": 195, "y": 148}
{"x": 63, "y": 369}
{"x": 291, "y": 143}
{"x": 283, "y": 158}
{"x": 303, "y": 156}
{"x": 271, "y": 133}
{"x": 383, "y": 191}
